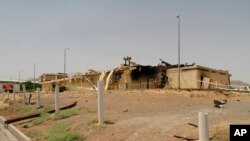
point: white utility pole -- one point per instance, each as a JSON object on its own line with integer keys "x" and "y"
{"x": 100, "y": 102}
{"x": 65, "y": 50}
{"x": 203, "y": 127}
{"x": 179, "y": 18}
{"x": 20, "y": 77}
{"x": 35, "y": 74}
{"x": 57, "y": 100}
{"x": 38, "y": 103}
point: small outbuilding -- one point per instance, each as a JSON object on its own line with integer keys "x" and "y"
{"x": 198, "y": 77}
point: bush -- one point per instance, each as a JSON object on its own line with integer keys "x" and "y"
{"x": 34, "y": 134}
{"x": 66, "y": 113}
{"x": 67, "y": 136}
{"x": 91, "y": 121}
{"x": 41, "y": 119}
{"x": 31, "y": 86}
{"x": 27, "y": 109}
{"x": 60, "y": 132}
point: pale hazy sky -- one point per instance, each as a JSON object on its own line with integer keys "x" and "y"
{"x": 99, "y": 33}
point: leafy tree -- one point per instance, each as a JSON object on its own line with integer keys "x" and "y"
{"x": 31, "y": 86}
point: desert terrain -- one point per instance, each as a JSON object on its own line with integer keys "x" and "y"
{"x": 134, "y": 115}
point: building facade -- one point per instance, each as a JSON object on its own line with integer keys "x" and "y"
{"x": 134, "y": 76}
{"x": 198, "y": 77}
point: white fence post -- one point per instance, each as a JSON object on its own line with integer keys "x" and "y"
{"x": 203, "y": 127}
{"x": 57, "y": 99}
{"x": 38, "y": 104}
{"x": 100, "y": 102}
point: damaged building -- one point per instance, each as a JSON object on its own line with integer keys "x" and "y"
{"x": 50, "y": 80}
{"x": 135, "y": 76}
{"x": 198, "y": 77}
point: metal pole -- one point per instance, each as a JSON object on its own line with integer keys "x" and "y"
{"x": 20, "y": 76}
{"x": 178, "y": 17}
{"x": 38, "y": 104}
{"x": 100, "y": 102}
{"x": 57, "y": 99}
{"x": 203, "y": 127}
{"x": 65, "y": 59}
{"x": 34, "y": 74}
{"x": 64, "y": 69}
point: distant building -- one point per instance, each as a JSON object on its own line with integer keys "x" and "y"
{"x": 9, "y": 85}
{"x": 48, "y": 81}
{"x": 52, "y": 76}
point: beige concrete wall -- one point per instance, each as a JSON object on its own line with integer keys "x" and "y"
{"x": 50, "y": 77}
{"x": 218, "y": 78}
{"x": 185, "y": 79}
{"x": 124, "y": 80}
{"x": 144, "y": 83}
{"x": 47, "y": 86}
{"x": 191, "y": 78}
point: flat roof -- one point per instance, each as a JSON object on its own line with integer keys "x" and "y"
{"x": 199, "y": 67}
{"x": 54, "y": 74}
{"x": 11, "y": 81}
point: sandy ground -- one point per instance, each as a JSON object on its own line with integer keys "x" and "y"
{"x": 146, "y": 115}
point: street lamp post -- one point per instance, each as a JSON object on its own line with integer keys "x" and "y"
{"x": 65, "y": 59}
{"x": 35, "y": 73}
{"x": 20, "y": 76}
{"x": 178, "y": 17}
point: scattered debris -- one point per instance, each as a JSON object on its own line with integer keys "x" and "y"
{"x": 126, "y": 110}
{"x": 194, "y": 125}
{"x": 108, "y": 79}
{"x": 25, "y": 126}
{"x": 109, "y": 122}
{"x": 219, "y": 103}
{"x": 90, "y": 82}
{"x": 185, "y": 138}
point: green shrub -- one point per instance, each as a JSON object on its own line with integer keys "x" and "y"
{"x": 30, "y": 86}
{"x": 48, "y": 107}
{"x": 34, "y": 134}
{"x": 60, "y": 132}
{"x": 41, "y": 119}
{"x": 91, "y": 121}
{"x": 66, "y": 113}
{"x": 27, "y": 109}
{"x": 68, "y": 136}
